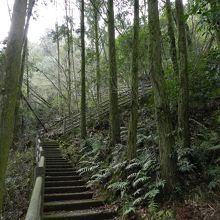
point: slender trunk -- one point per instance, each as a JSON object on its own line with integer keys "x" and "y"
{"x": 58, "y": 67}
{"x": 163, "y": 119}
{"x": 13, "y": 72}
{"x": 27, "y": 75}
{"x": 183, "y": 100}
{"x": 23, "y": 63}
{"x": 132, "y": 132}
{"x": 98, "y": 76}
{"x": 83, "y": 75}
{"x": 73, "y": 65}
{"x": 113, "y": 87}
{"x": 68, "y": 60}
{"x": 171, "y": 35}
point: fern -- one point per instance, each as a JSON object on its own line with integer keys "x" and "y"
{"x": 131, "y": 166}
{"x": 88, "y": 169}
{"x": 138, "y": 201}
{"x": 138, "y": 192}
{"x": 151, "y": 194}
{"x": 147, "y": 165}
{"x": 118, "y": 186}
{"x": 132, "y": 176}
{"x": 128, "y": 209}
{"x": 140, "y": 180}
{"x": 119, "y": 166}
{"x": 160, "y": 183}
{"x": 152, "y": 207}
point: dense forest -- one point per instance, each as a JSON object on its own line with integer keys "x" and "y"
{"x": 130, "y": 90}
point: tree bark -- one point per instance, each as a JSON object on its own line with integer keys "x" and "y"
{"x": 96, "y": 26}
{"x": 23, "y": 64}
{"x": 163, "y": 119}
{"x": 58, "y": 67}
{"x": 171, "y": 35}
{"x": 113, "y": 87}
{"x": 10, "y": 93}
{"x": 132, "y": 131}
{"x": 183, "y": 97}
{"x": 83, "y": 75}
{"x": 68, "y": 60}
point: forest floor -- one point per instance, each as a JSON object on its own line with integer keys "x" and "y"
{"x": 198, "y": 198}
{"x": 198, "y": 167}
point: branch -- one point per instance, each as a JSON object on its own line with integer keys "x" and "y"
{"x": 32, "y": 110}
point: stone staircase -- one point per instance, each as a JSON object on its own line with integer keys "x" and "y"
{"x": 66, "y": 195}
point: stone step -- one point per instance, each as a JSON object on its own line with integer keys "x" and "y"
{"x": 65, "y": 189}
{"x": 56, "y": 160}
{"x": 68, "y": 196}
{"x": 61, "y": 173}
{"x": 58, "y": 166}
{"x": 51, "y": 149}
{"x": 50, "y": 174}
{"x": 65, "y": 183}
{"x": 81, "y": 215}
{"x": 49, "y": 144}
{"x": 54, "y": 155}
{"x": 72, "y": 205}
{"x": 61, "y": 169}
{"x": 62, "y": 178}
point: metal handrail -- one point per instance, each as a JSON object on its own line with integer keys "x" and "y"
{"x": 35, "y": 207}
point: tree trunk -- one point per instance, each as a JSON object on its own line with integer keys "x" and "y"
{"x": 23, "y": 64}
{"x": 132, "y": 132}
{"x": 113, "y": 87}
{"x": 183, "y": 100}
{"x": 13, "y": 72}
{"x": 73, "y": 65}
{"x": 68, "y": 60}
{"x": 163, "y": 119}
{"x": 58, "y": 67}
{"x": 98, "y": 76}
{"x": 83, "y": 75}
{"x": 171, "y": 35}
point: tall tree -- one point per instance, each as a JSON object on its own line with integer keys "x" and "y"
{"x": 58, "y": 66}
{"x": 113, "y": 87}
{"x": 132, "y": 132}
{"x": 163, "y": 119}
{"x": 69, "y": 81}
{"x": 11, "y": 86}
{"x": 183, "y": 100}
{"x": 96, "y": 27}
{"x": 171, "y": 34}
{"x": 24, "y": 60}
{"x": 83, "y": 74}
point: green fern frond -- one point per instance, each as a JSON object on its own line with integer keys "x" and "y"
{"x": 132, "y": 176}
{"x": 140, "y": 181}
{"x": 151, "y": 194}
{"x": 138, "y": 192}
{"x": 132, "y": 166}
{"x": 138, "y": 201}
{"x": 118, "y": 186}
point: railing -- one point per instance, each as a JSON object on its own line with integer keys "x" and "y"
{"x": 67, "y": 124}
{"x": 35, "y": 207}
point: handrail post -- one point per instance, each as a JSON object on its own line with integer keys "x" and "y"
{"x": 35, "y": 209}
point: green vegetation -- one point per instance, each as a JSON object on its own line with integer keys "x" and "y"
{"x": 157, "y": 157}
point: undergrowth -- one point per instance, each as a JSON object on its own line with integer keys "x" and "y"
{"x": 137, "y": 185}
{"x": 19, "y": 181}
